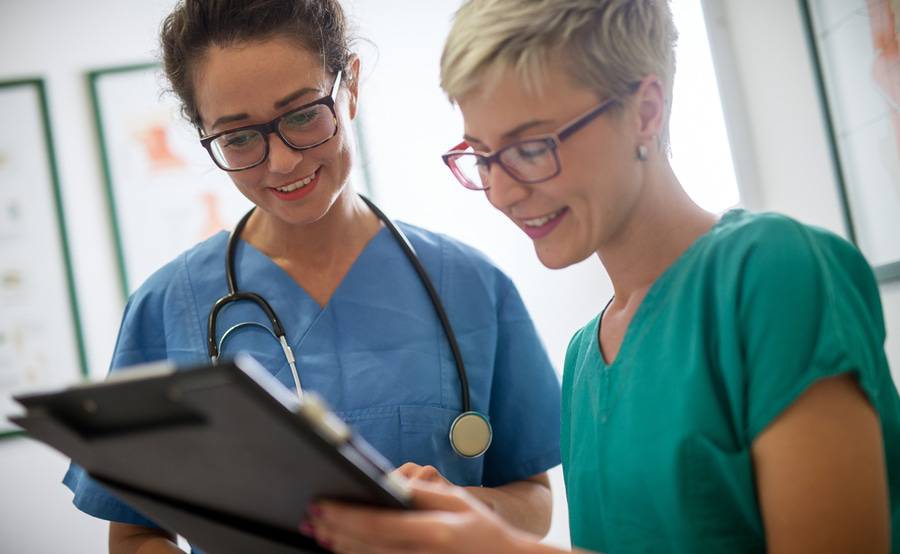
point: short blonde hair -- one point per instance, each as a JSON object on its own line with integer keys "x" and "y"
{"x": 607, "y": 45}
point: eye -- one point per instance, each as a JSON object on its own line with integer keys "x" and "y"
{"x": 531, "y": 150}
{"x": 301, "y": 118}
{"x": 480, "y": 162}
{"x": 239, "y": 140}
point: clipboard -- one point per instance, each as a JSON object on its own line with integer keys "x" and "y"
{"x": 223, "y": 455}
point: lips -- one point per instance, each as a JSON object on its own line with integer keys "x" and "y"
{"x": 297, "y": 189}
{"x": 541, "y": 226}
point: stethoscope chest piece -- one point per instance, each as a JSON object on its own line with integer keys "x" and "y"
{"x": 470, "y": 434}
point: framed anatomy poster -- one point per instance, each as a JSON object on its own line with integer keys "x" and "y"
{"x": 40, "y": 337}
{"x": 856, "y": 49}
{"x": 165, "y": 193}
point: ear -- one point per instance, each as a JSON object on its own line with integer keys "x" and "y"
{"x": 651, "y": 110}
{"x": 353, "y": 84}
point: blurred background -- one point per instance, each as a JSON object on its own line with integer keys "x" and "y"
{"x": 762, "y": 118}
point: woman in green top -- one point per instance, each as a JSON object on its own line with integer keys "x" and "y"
{"x": 734, "y": 396}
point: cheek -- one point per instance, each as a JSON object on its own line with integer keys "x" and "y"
{"x": 245, "y": 180}
{"x": 487, "y": 195}
{"x": 339, "y": 152}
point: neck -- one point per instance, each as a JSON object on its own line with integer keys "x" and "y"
{"x": 320, "y": 244}
{"x": 661, "y": 225}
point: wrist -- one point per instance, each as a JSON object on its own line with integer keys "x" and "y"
{"x": 516, "y": 541}
{"x": 483, "y": 495}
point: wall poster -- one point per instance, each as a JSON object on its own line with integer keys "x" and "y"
{"x": 856, "y": 50}
{"x": 40, "y": 336}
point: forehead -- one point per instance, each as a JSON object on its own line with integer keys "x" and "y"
{"x": 250, "y": 77}
{"x": 503, "y": 102}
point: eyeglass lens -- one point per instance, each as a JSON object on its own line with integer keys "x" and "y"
{"x": 300, "y": 129}
{"x": 528, "y": 161}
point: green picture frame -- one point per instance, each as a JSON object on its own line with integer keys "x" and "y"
{"x": 866, "y": 167}
{"x": 14, "y": 221}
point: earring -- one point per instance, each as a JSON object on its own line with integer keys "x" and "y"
{"x": 642, "y": 152}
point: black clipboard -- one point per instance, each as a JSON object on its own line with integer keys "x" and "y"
{"x": 224, "y": 455}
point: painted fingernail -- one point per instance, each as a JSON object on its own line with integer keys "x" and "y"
{"x": 316, "y": 511}
{"x": 307, "y": 529}
{"x": 323, "y": 540}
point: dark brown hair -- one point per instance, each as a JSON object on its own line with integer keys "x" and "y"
{"x": 194, "y": 25}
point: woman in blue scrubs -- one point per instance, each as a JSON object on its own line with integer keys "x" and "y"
{"x": 355, "y": 313}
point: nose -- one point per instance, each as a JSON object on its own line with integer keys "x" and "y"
{"x": 503, "y": 191}
{"x": 282, "y": 158}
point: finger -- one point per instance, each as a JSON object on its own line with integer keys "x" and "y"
{"x": 407, "y": 470}
{"x": 348, "y": 545}
{"x": 430, "y": 473}
{"x": 378, "y": 527}
{"x": 439, "y": 496}
{"x": 384, "y": 528}
{"x": 421, "y": 474}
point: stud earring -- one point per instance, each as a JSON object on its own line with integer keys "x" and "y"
{"x": 642, "y": 152}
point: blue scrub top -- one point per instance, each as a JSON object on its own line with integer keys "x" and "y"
{"x": 376, "y": 352}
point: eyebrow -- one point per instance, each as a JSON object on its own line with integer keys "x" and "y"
{"x": 514, "y": 132}
{"x": 294, "y": 95}
{"x": 278, "y": 105}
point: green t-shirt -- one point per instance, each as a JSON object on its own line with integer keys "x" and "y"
{"x": 656, "y": 447}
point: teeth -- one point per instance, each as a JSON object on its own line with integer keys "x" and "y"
{"x": 541, "y": 221}
{"x": 298, "y": 185}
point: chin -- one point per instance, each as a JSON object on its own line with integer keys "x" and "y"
{"x": 556, "y": 259}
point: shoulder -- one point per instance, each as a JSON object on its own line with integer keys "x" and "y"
{"x": 164, "y": 301}
{"x": 793, "y": 270}
{"x": 458, "y": 260}
{"x": 171, "y": 279}
{"x": 453, "y": 249}
{"x": 775, "y": 237}
{"x": 771, "y": 246}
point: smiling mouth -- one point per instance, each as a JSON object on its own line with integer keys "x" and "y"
{"x": 543, "y": 220}
{"x": 297, "y": 185}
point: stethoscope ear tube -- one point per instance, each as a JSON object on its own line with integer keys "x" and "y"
{"x": 233, "y": 295}
{"x": 435, "y": 300}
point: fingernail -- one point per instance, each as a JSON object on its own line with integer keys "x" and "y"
{"x": 307, "y": 529}
{"x": 316, "y": 511}
{"x": 323, "y": 541}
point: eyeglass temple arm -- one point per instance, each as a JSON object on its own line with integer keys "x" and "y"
{"x": 337, "y": 84}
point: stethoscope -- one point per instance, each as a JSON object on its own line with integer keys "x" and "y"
{"x": 470, "y": 433}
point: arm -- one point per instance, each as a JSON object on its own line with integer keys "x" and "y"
{"x": 526, "y": 504}
{"x": 137, "y": 539}
{"x": 821, "y": 477}
{"x": 448, "y": 519}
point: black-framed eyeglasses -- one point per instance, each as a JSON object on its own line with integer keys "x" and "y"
{"x": 303, "y": 128}
{"x": 528, "y": 161}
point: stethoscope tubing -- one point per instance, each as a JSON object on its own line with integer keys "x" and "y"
{"x": 235, "y": 295}
{"x": 424, "y": 278}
